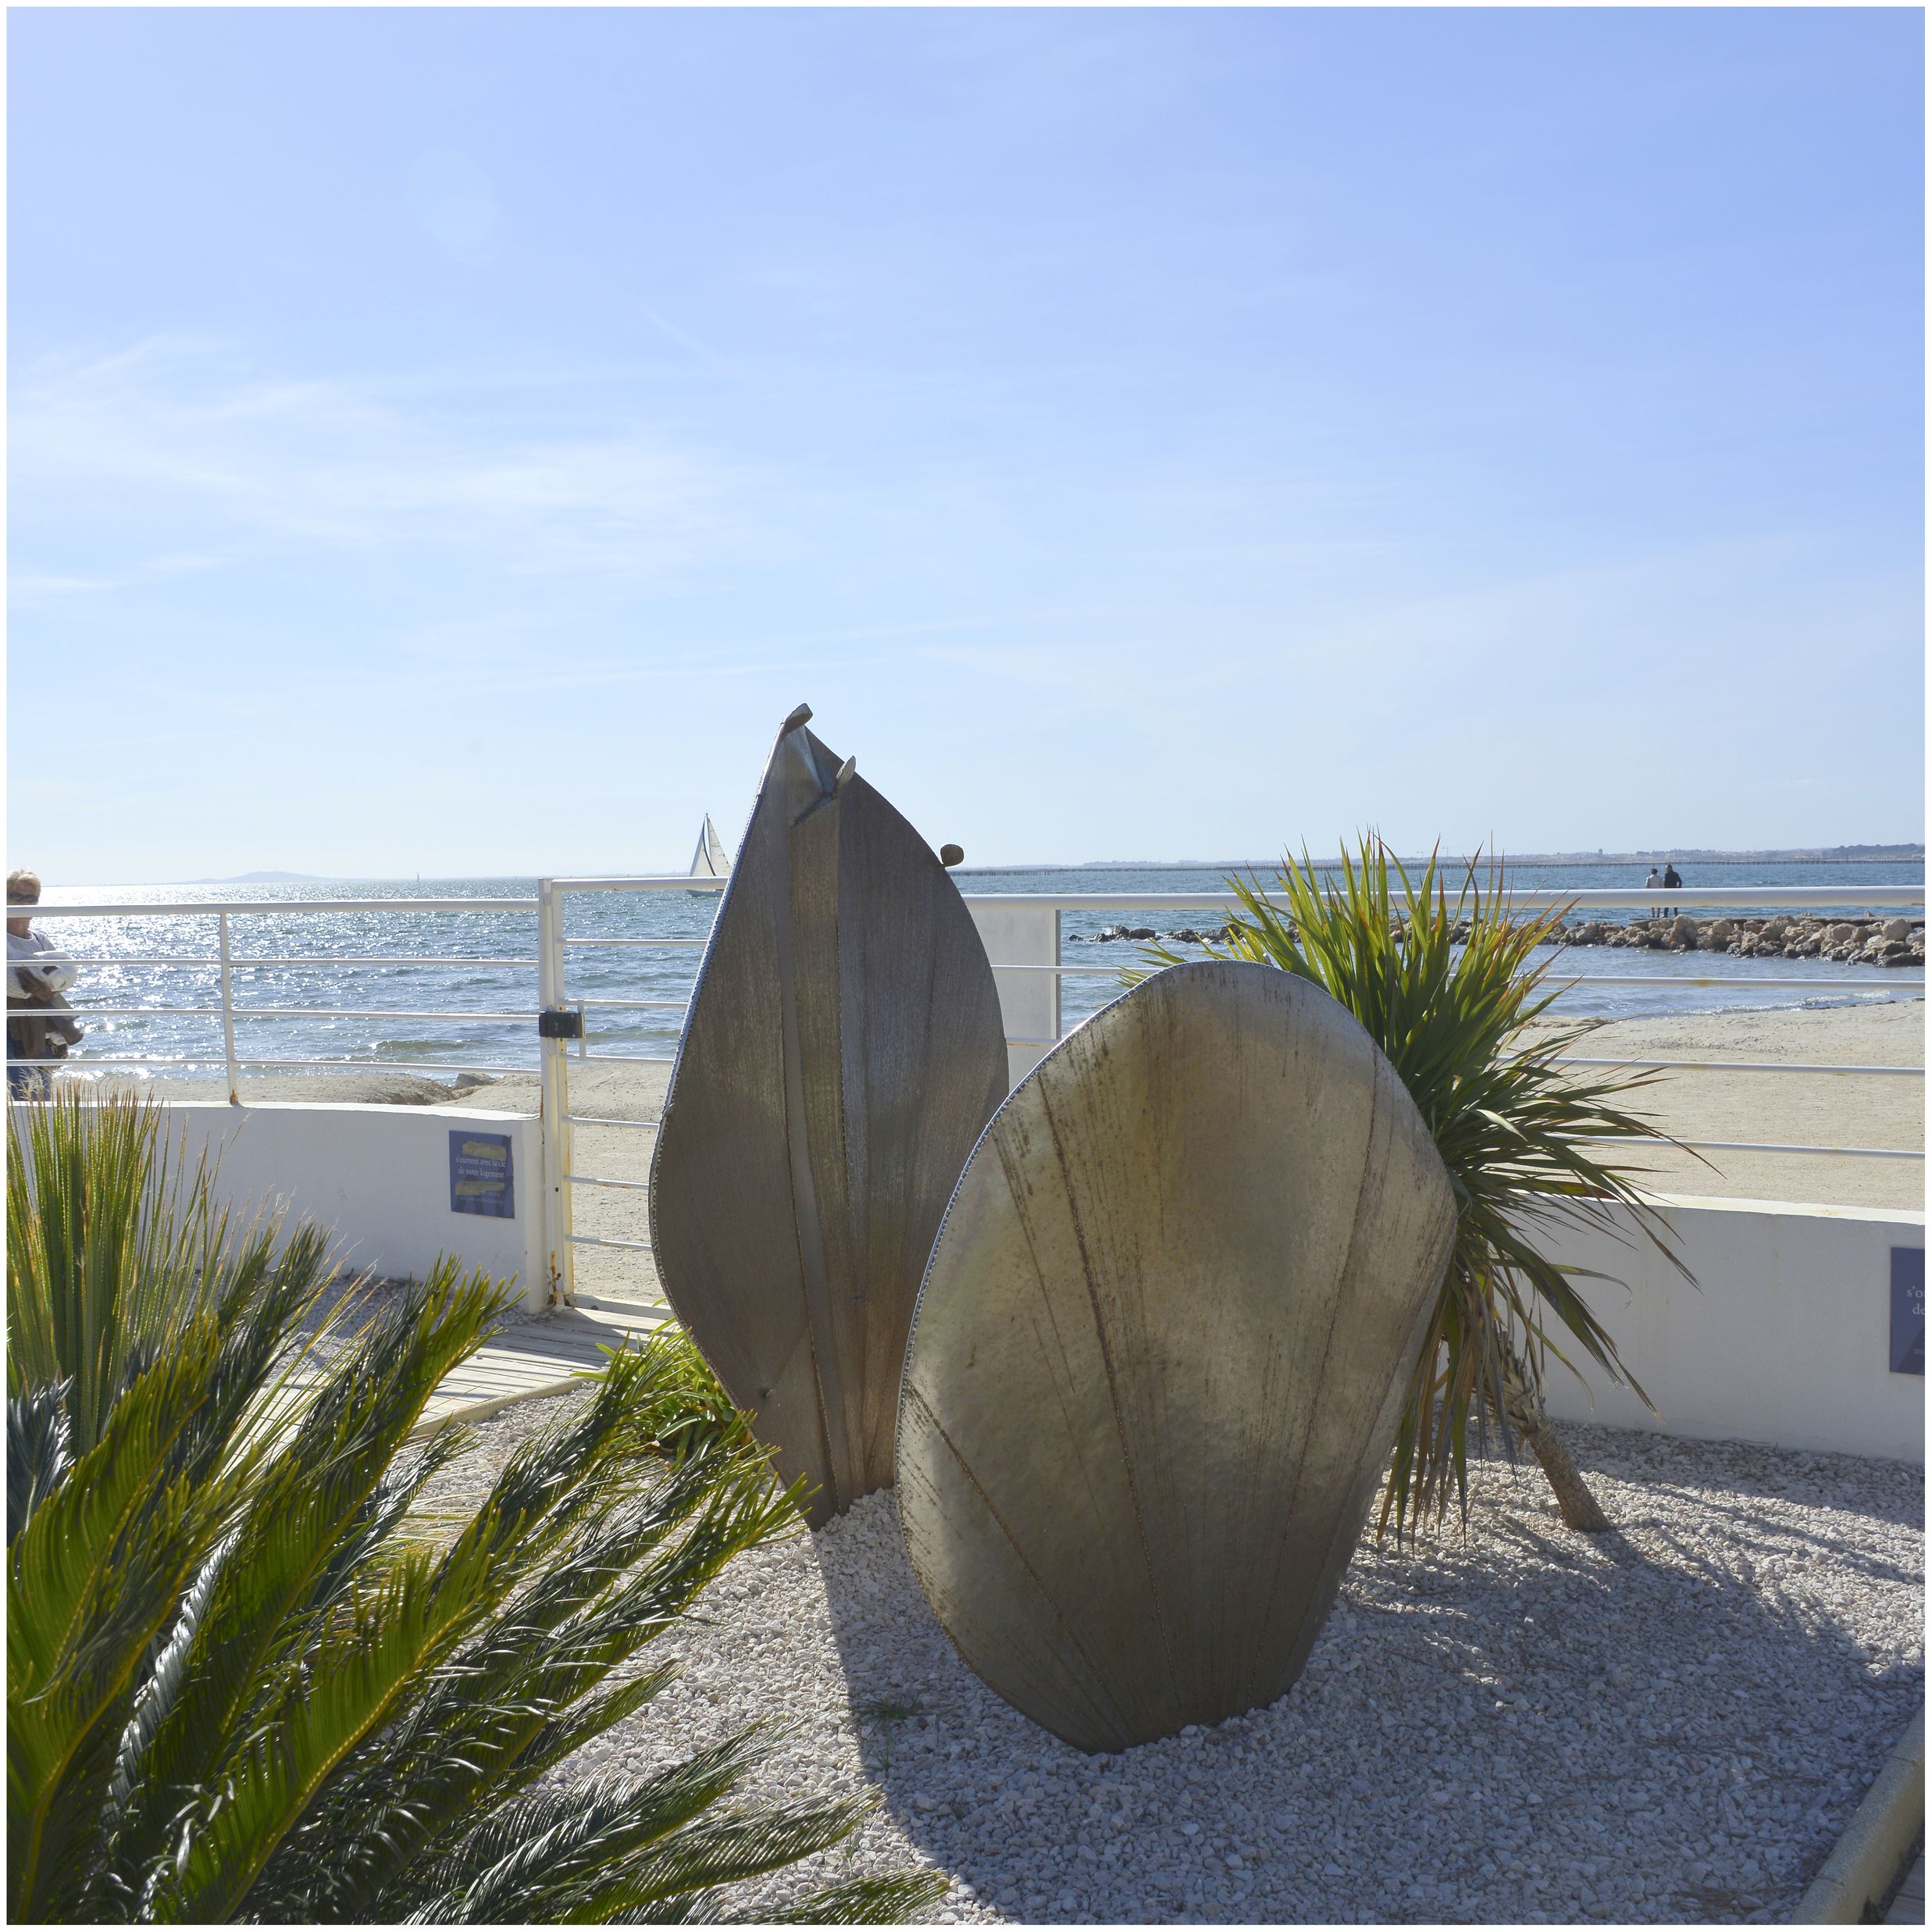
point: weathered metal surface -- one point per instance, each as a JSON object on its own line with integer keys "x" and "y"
{"x": 1159, "y": 1354}
{"x": 844, "y": 1049}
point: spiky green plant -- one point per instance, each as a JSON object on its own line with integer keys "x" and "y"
{"x": 1523, "y": 1138}
{"x": 242, "y": 1684}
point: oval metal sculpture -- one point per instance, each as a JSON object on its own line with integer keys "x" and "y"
{"x": 1159, "y": 1355}
{"x": 843, "y": 1050}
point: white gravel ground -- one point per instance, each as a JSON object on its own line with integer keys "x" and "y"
{"x": 1673, "y": 1723}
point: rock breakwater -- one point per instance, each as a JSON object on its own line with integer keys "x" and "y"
{"x": 1865, "y": 942}
{"x": 1870, "y": 942}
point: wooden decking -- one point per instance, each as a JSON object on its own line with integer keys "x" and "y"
{"x": 545, "y": 1356}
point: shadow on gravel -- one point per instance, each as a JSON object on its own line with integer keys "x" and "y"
{"x": 1672, "y": 1723}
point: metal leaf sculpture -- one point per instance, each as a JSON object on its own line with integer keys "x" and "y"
{"x": 843, "y": 1050}
{"x": 1159, "y": 1358}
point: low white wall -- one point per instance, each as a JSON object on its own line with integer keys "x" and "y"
{"x": 1785, "y": 1339}
{"x": 1030, "y": 1002}
{"x": 378, "y": 1177}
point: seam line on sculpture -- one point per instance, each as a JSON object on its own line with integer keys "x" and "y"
{"x": 1328, "y": 1347}
{"x": 1013, "y": 1543}
{"x": 798, "y": 1155}
{"x": 1114, "y": 1397}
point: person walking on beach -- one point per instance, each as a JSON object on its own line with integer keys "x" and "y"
{"x": 1654, "y": 884}
{"x": 37, "y": 975}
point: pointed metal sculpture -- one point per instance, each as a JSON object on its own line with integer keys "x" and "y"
{"x": 844, "y": 1049}
{"x": 1160, "y": 1353}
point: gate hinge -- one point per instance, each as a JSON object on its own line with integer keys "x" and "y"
{"x": 559, "y": 1023}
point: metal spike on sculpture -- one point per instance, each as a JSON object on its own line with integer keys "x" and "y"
{"x": 1161, "y": 1351}
{"x": 844, "y": 1049}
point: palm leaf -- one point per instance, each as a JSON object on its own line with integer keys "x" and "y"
{"x": 240, "y": 1683}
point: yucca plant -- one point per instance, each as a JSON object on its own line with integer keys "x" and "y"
{"x": 243, "y": 1683}
{"x": 1523, "y": 1138}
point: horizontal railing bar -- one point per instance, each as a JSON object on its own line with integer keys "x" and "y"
{"x": 675, "y": 1005}
{"x": 598, "y": 1119}
{"x": 604, "y": 1241}
{"x": 122, "y": 1059}
{"x": 209, "y": 959}
{"x": 1740, "y": 1066}
{"x": 405, "y": 1066}
{"x": 646, "y": 881}
{"x": 373, "y": 959}
{"x": 598, "y": 1180}
{"x": 1672, "y": 898}
{"x": 637, "y": 941}
{"x": 211, "y": 906}
{"x": 370, "y": 1012}
{"x": 77, "y": 1063}
{"x": 1530, "y": 899}
{"x": 122, "y": 1013}
{"x": 1890, "y": 983}
{"x": 212, "y": 960}
{"x": 625, "y": 1059}
{"x": 1756, "y": 1147}
{"x": 297, "y": 1012}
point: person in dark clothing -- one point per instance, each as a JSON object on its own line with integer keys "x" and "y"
{"x": 1671, "y": 882}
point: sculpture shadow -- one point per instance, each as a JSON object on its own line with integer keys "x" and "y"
{"x": 1668, "y": 1723}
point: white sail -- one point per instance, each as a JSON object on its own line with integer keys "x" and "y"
{"x": 710, "y": 860}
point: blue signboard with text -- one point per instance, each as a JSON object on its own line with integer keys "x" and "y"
{"x": 1907, "y": 1311}
{"x": 482, "y": 1180}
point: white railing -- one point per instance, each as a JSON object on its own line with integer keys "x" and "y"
{"x": 1013, "y": 921}
{"x": 227, "y": 963}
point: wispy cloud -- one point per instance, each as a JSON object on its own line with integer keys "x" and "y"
{"x": 178, "y": 437}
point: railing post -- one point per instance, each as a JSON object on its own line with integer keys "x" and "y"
{"x": 555, "y": 1102}
{"x": 228, "y": 1018}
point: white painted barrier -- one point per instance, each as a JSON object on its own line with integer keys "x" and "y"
{"x": 382, "y": 1180}
{"x": 1026, "y": 939}
{"x": 1786, "y": 1339}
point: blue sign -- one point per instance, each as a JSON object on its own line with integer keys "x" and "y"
{"x": 1907, "y": 1311}
{"x": 482, "y": 1180}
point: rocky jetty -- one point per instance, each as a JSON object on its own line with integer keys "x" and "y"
{"x": 1866, "y": 942}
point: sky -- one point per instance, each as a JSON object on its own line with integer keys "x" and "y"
{"x": 451, "y": 442}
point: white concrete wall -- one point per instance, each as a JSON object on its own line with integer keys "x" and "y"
{"x": 1030, "y": 1002}
{"x": 1785, "y": 1340}
{"x": 379, "y": 1178}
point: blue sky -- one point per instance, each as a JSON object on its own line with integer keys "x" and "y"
{"x": 451, "y": 441}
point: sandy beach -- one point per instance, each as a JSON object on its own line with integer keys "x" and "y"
{"x": 1802, "y": 1110}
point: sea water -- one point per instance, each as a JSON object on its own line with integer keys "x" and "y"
{"x": 117, "y": 973}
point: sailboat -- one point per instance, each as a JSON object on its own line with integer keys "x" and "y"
{"x": 710, "y": 860}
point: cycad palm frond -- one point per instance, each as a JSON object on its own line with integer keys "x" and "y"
{"x": 1458, "y": 1019}
{"x": 241, "y": 1684}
